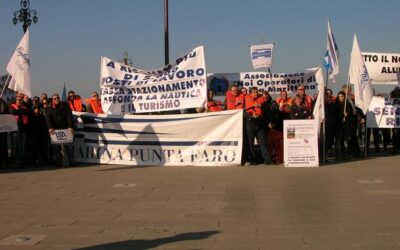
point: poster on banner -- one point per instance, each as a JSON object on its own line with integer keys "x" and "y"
{"x": 383, "y": 113}
{"x": 204, "y": 139}
{"x": 8, "y": 123}
{"x": 383, "y": 68}
{"x": 300, "y": 143}
{"x": 261, "y": 55}
{"x": 61, "y": 136}
{"x": 179, "y": 85}
{"x": 9, "y": 94}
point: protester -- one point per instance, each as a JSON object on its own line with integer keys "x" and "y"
{"x": 94, "y": 104}
{"x": 285, "y": 103}
{"x": 344, "y": 114}
{"x": 213, "y": 105}
{"x": 234, "y": 98}
{"x": 255, "y": 126}
{"x": 306, "y": 100}
{"x": 395, "y": 93}
{"x": 21, "y": 113}
{"x": 59, "y": 116}
{"x": 244, "y": 91}
{"x": 355, "y": 128}
{"x": 299, "y": 109}
{"x": 75, "y": 102}
{"x": 39, "y": 137}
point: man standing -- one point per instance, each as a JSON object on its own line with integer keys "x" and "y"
{"x": 305, "y": 99}
{"x": 75, "y": 102}
{"x": 59, "y": 116}
{"x": 256, "y": 125}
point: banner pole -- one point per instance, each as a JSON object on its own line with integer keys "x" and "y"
{"x": 5, "y": 86}
{"x": 323, "y": 122}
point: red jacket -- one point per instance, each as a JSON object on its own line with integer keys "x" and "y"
{"x": 234, "y": 102}
{"x": 251, "y": 102}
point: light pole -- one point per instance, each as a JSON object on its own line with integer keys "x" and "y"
{"x": 25, "y": 15}
{"x": 166, "y": 32}
{"x": 126, "y": 60}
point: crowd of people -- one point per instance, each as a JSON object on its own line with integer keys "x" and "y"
{"x": 344, "y": 122}
{"x": 38, "y": 117}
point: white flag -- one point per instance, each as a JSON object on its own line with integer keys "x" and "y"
{"x": 319, "y": 107}
{"x": 358, "y": 75}
{"x": 19, "y": 67}
{"x": 332, "y": 53}
{"x": 261, "y": 55}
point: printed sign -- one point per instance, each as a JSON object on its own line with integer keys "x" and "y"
{"x": 8, "y": 123}
{"x": 383, "y": 68}
{"x": 301, "y": 143}
{"x": 383, "y": 113}
{"x": 61, "y": 136}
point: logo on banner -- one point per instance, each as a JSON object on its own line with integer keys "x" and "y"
{"x": 219, "y": 85}
{"x": 61, "y": 136}
{"x": 257, "y": 53}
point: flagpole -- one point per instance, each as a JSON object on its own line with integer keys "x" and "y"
{"x": 5, "y": 85}
{"x": 323, "y": 122}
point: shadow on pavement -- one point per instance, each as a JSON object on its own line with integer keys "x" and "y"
{"x": 141, "y": 244}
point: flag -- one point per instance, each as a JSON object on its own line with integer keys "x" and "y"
{"x": 19, "y": 67}
{"x": 319, "y": 107}
{"x": 358, "y": 75}
{"x": 332, "y": 54}
{"x": 261, "y": 55}
{"x": 64, "y": 94}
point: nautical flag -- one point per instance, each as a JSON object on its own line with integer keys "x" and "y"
{"x": 332, "y": 54}
{"x": 64, "y": 94}
{"x": 19, "y": 67}
{"x": 358, "y": 75}
{"x": 319, "y": 107}
{"x": 261, "y": 55}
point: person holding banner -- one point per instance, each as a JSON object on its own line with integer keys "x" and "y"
{"x": 59, "y": 116}
{"x": 234, "y": 98}
{"x": 94, "y": 104}
{"x": 213, "y": 105}
{"x": 255, "y": 125}
{"x": 75, "y": 102}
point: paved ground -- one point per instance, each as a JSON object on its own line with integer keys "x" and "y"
{"x": 343, "y": 206}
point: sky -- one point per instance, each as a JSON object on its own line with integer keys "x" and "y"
{"x": 71, "y": 35}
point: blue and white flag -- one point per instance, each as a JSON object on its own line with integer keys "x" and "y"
{"x": 358, "y": 75}
{"x": 261, "y": 55}
{"x": 332, "y": 54}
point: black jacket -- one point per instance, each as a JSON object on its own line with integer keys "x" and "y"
{"x": 59, "y": 117}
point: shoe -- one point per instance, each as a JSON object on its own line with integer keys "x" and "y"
{"x": 247, "y": 163}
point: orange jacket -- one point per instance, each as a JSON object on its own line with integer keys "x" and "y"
{"x": 214, "y": 106}
{"x": 96, "y": 106}
{"x": 251, "y": 102}
{"x": 234, "y": 102}
{"x": 76, "y": 105}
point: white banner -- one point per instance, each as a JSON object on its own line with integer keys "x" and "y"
{"x": 8, "y": 123}
{"x": 383, "y": 113}
{"x": 179, "y": 85}
{"x": 9, "y": 94}
{"x": 205, "y": 139}
{"x": 274, "y": 83}
{"x": 261, "y": 55}
{"x": 300, "y": 143}
{"x": 61, "y": 136}
{"x": 383, "y": 68}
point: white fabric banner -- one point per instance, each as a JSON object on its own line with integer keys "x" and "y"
{"x": 8, "y": 123}
{"x": 179, "y": 85}
{"x": 261, "y": 55}
{"x": 383, "y": 113}
{"x": 205, "y": 139}
{"x": 19, "y": 67}
{"x": 61, "y": 136}
{"x": 274, "y": 83}
{"x": 300, "y": 143}
{"x": 383, "y": 68}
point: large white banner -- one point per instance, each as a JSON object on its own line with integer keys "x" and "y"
{"x": 180, "y": 85}
{"x": 383, "y": 113}
{"x": 274, "y": 83}
{"x": 261, "y": 55}
{"x": 383, "y": 68}
{"x": 205, "y": 139}
{"x": 300, "y": 143}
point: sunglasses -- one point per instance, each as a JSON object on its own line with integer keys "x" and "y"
{"x": 56, "y": 98}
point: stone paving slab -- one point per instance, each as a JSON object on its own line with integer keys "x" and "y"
{"x": 352, "y": 205}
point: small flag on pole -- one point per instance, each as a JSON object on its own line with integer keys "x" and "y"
{"x": 358, "y": 75}
{"x": 261, "y": 55}
{"x": 332, "y": 55}
{"x": 19, "y": 67}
